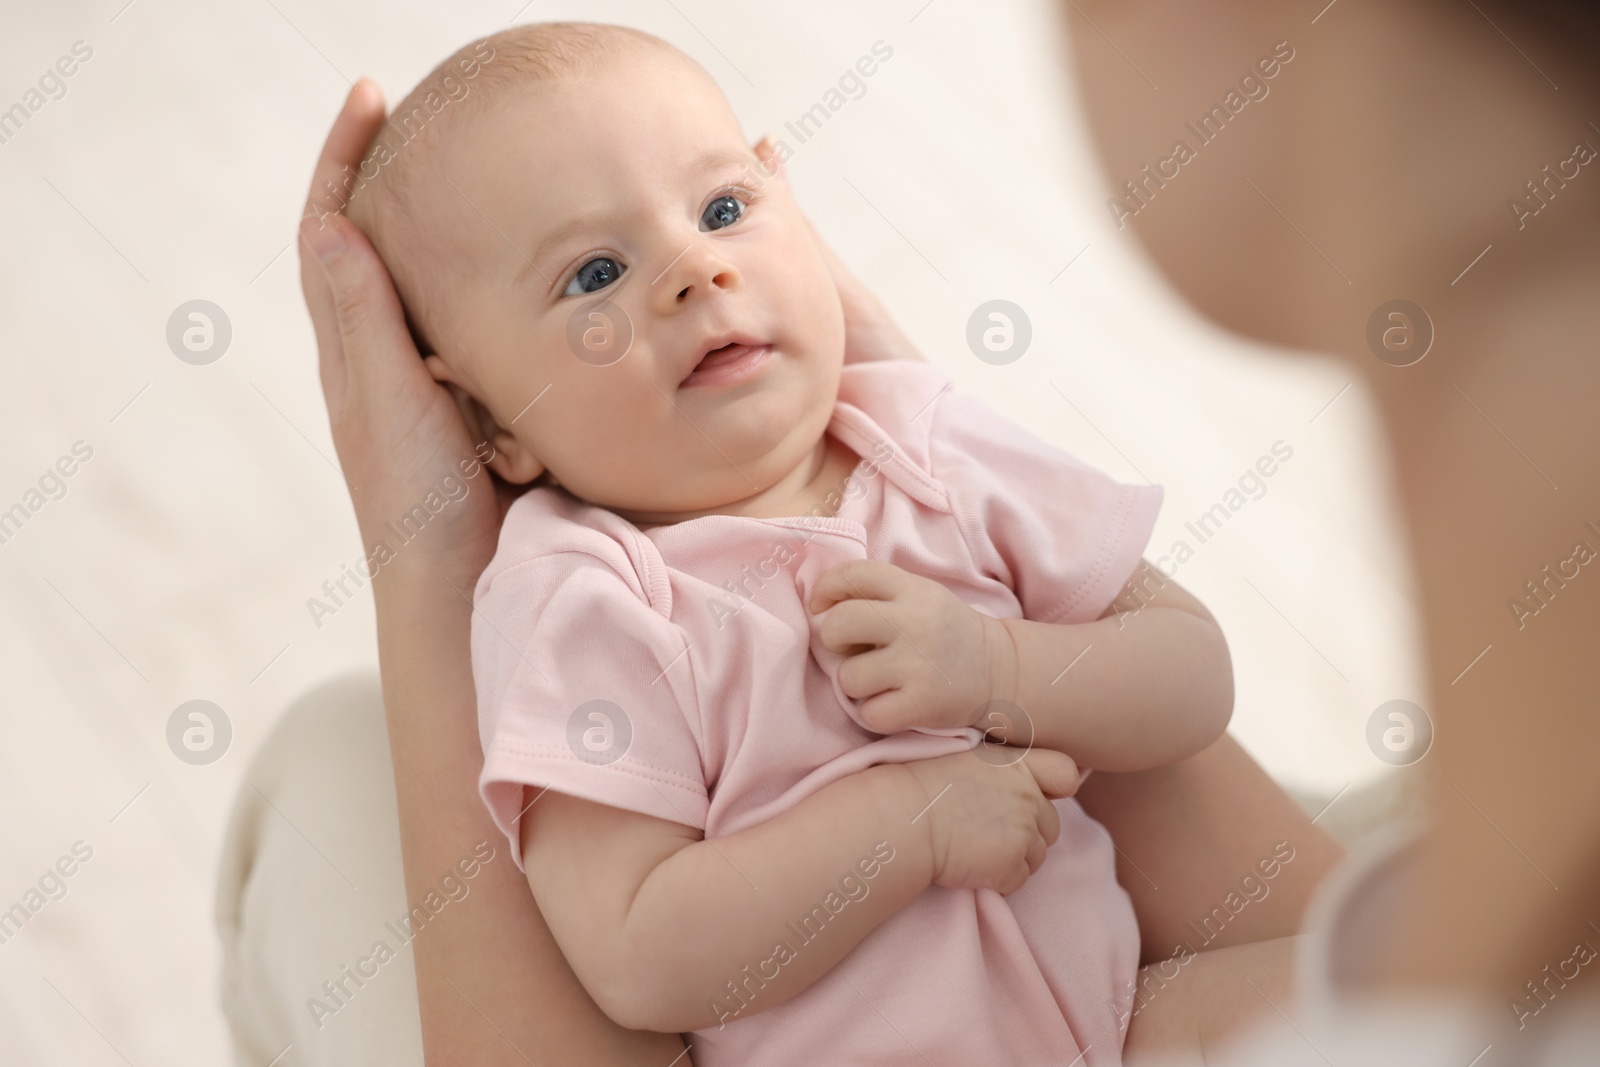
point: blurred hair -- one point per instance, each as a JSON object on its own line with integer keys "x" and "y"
{"x": 1556, "y": 16}
{"x": 1569, "y": 26}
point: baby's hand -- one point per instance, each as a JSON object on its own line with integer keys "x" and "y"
{"x": 918, "y": 655}
{"x": 990, "y": 824}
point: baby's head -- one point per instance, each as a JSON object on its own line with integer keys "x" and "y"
{"x": 567, "y": 185}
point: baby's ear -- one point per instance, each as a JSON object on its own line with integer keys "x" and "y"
{"x": 512, "y": 459}
{"x": 509, "y": 457}
{"x": 771, "y": 158}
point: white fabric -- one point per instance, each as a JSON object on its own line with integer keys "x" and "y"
{"x": 1336, "y": 1018}
{"x": 311, "y": 882}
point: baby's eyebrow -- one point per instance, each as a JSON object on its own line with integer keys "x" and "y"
{"x": 720, "y": 157}
{"x": 563, "y": 232}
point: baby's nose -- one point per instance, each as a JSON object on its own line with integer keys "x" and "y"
{"x": 697, "y": 270}
{"x": 723, "y": 278}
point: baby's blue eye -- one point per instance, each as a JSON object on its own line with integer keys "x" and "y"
{"x": 594, "y": 275}
{"x": 723, "y": 211}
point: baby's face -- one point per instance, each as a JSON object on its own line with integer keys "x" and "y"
{"x": 631, "y": 187}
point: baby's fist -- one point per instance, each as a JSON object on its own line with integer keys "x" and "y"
{"x": 989, "y": 825}
{"x": 916, "y": 654}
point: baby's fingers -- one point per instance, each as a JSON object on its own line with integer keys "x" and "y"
{"x": 859, "y": 579}
{"x": 1036, "y": 853}
{"x": 1048, "y": 822}
{"x": 854, "y": 623}
{"x": 1015, "y": 879}
{"x": 1055, "y": 772}
{"x": 891, "y": 712}
{"x": 867, "y": 674}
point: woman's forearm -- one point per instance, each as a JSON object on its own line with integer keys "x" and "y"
{"x": 493, "y": 986}
{"x": 1189, "y": 834}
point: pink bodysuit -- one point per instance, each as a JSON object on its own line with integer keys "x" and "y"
{"x": 677, "y": 672}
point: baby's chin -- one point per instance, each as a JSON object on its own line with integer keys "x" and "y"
{"x": 773, "y": 428}
{"x": 744, "y": 440}
{"x": 748, "y": 461}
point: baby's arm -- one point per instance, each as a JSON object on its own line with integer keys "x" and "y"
{"x": 1147, "y": 684}
{"x": 671, "y": 932}
{"x": 1154, "y": 683}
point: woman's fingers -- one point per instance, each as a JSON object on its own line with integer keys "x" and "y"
{"x": 318, "y": 293}
{"x": 842, "y": 278}
{"x": 371, "y": 326}
{"x": 342, "y": 152}
{"x": 471, "y": 414}
{"x": 347, "y": 143}
{"x": 869, "y": 331}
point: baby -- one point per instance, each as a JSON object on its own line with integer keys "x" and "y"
{"x": 742, "y": 638}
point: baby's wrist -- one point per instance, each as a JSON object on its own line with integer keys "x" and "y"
{"x": 904, "y": 795}
{"x": 1003, "y": 657}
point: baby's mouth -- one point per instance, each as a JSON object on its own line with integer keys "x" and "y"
{"x": 728, "y": 364}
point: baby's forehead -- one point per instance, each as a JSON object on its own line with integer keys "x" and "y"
{"x": 565, "y": 136}
{"x": 499, "y": 80}
{"x": 551, "y": 113}
{"x": 615, "y": 83}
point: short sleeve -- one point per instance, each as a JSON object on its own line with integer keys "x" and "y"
{"x": 1064, "y": 536}
{"x": 583, "y": 688}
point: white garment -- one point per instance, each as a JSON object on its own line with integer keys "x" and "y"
{"x": 1333, "y": 1022}
{"x": 310, "y": 882}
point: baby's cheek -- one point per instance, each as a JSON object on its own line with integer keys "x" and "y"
{"x": 809, "y": 286}
{"x": 798, "y": 258}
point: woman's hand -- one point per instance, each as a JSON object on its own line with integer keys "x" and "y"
{"x": 870, "y": 333}
{"x": 398, "y": 432}
{"x": 492, "y": 985}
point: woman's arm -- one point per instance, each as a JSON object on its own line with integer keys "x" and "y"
{"x": 669, "y": 931}
{"x": 492, "y": 984}
{"x": 1187, "y": 833}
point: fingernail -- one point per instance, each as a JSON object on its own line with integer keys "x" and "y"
{"x": 325, "y": 240}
